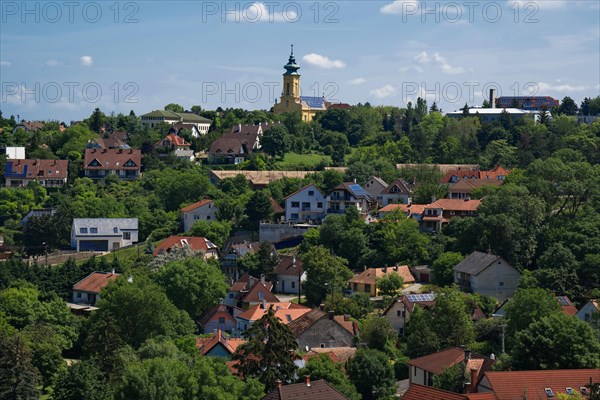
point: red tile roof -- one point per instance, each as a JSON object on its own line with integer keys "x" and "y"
{"x": 114, "y": 159}
{"x": 259, "y": 292}
{"x": 289, "y": 265}
{"x": 196, "y": 243}
{"x": 303, "y": 323}
{"x": 175, "y": 140}
{"x": 509, "y": 385}
{"x": 370, "y": 275}
{"x": 436, "y": 362}
{"x": 317, "y": 390}
{"x": 46, "y": 169}
{"x": 567, "y": 305}
{"x": 218, "y": 310}
{"x": 419, "y": 392}
{"x": 95, "y": 282}
{"x": 277, "y": 209}
{"x": 455, "y": 204}
{"x": 207, "y": 344}
{"x": 198, "y": 204}
{"x": 285, "y": 311}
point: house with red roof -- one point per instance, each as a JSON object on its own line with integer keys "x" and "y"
{"x": 420, "y": 392}
{"x": 399, "y": 191}
{"x": 219, "y": 344}
{"x": 439, "y": 213}
{"x": 124, "y": 163}
{"x": 463, "y": 188}
{"x": 289, "y": 275}
{"x": 48, "y": 173}
{"x": 194, "y": 243}
{"x": 204, "y": 210}
{"x": 590, "y": 312}
{"x": 315, "y": 390}
{"x": 543, "y": 384}
{"x": 423, "y": 369}
{"x": 172, "y": 142}
{"x": 286, "y": 312}
{"x": 317, "y": 329}
{"x": 366, "y": 281}
{"x": 220, "y": 317}
{"x": 249, "y": 291}
{"x": 87, "y": 290}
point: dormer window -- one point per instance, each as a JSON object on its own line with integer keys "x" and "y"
{"x": 549, "y": 392}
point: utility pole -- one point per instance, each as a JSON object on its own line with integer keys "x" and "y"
{"x": 503, "y": 328}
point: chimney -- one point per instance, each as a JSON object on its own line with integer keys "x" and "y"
{"x": 493, "y": 98}
{"x": 294, "y": 262}
{"x": 331, "y": 314}
{"x": 467, "y": 355}
{"x": 278, "y": 383}
{"x": 112, "y": 272}
{"x": 264, "y": 304}
{"x": 250, "y": 282}
{"x": 354, "y": 180}
{"x": 307, "y": 380}
{"x": 262, "y": 278}
{"x": 473, "y": 388}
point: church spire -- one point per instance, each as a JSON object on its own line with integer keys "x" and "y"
{"x": 291, "y": 68}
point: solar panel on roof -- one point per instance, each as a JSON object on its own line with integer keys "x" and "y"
{"x": 563, "y": 300}
{"x": 358, "y": 190}
{"x": 313, "y": 102}
{"x": 416, "y": 298}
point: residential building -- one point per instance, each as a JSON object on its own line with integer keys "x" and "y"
{"x": 337, "y": 354}
{"x": 374, "y": 187}
{"x": 463, "y": 188}
{"x": 289, "y": 275}
{"x": 29, "y": 126}
{"x": 566, "y": 305}
{"x": 124, "y": 163}
{"x": 87, "y": 290}
{"x": 317, "y": 329}
{"x": 103, "y": 234}
{"x": 291, "y": 99}
{"x": 529, "y": 103}
{"x": 439, "y": 213}
{"x": 220, "y": 317}
{"x": 233, "y": 251}
{"x": 156, "y": 117}
{"x": 13, "y": 153}
{"x": 315, "y": 390}
{"x": 107, "y": 142}
{"x": 399, "y": 191}
{"x": 420, "y": 392}
{"x": 495, "y": 114}
{"x": 218, "y": 345}
{"x": 192, "y": 128}
{"x": 286, "y": 312}
{"x": 235, "y": 146}
{"x": 590, "y": 312}
{"x": 544, "y": 384}
{"x": 249, "y": 291}
{"x": 347, "y": 195}
{"x": 47, "y": 173}
{"x": 487, "y": 274}
{"x": 305, "y": 205}
{"x": 171, "y": 143}
{"x": 204, "y": 210}
{"x": 193, "y": 243}
{"x": 414, "y": 211}
{"x": 423, "y": 369}
{"x": 38, "y": 213}
{"x": 366, "y": 281}
{"x": 398, "y": 313}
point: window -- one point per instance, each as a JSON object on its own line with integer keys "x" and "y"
{"x": 115, "y": 230}
{"x": 311, "y": 192}
{"x": 295, "y": 204}
{"x": 570, "y": 391}
{"x": 367, "y": 287}
{"x": 501, "y": 284}
{"x": 231, "y": 295}
{"x": 322, "y": 345}
{"x": 294, "y": 216}
{"x": 196, "y": 217}
{"x": 400, "y": 313}
{"x": 261, "y": 295}
{"x": 293, "y": 284}
{"x": 221, "y": 320}
{"x": 208, "y": 217}
{"x": 549, "y": 392}
{"x": 415, "y": 371}
{"x": 78, "y": 295}
{"x": 319, "y": 205}
{"x": 127, "y": 235}
{"x": 82, "y": 230}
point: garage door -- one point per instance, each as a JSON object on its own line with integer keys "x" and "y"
{"x": 93, "y": 245}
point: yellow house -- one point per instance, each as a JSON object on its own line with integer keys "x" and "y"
{"x": 366, "y": 281}
{"x": 291, "y": 99}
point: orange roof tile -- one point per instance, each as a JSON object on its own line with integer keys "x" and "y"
{"x": 192, "y": 207}
{"x": 196, "y": 243}
{"x": 419, "y": 392}
{"x": 36, "y": 169}
{"x": 455, "y": 204}
{"x": 229, "y": 343}
{"x": 95, "y": 282}
{"x": 285, "y": 311}
{"x": 370, "y": 275}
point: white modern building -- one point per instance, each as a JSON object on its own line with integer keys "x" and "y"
{"x": 103, "y": 234}
{"x": 203, "y": 210}
{"x": 306, "y": 204}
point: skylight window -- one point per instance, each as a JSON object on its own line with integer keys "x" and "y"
{"x": 570, "y": 391}
{"x": 549, "y": 392}
{"x": 584, "y": 390}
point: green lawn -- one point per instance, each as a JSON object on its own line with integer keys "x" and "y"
{"x": 294, "y": 161}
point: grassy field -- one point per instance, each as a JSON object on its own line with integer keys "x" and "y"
{"x": 294, "y": 161}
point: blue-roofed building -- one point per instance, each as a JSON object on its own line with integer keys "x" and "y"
{"x": 349, "y": 194}
{"x": 103, "y": 234}
{"x": 292, "y": 101}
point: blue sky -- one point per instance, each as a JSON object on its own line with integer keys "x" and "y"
{"x": 60, "y": 60}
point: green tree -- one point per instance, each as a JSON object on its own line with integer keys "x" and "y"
{"x": 390, "y": 284}
{"x": 377, "y": 333}
{"x": 19, "y": 379}
{"x": 451, "y": 378}
{"x": 97, "y": 120}
{"x": 528, "y": 306}
{"x": 174, "y": 107}
{"x": 259, "y": 208}
{"x": 322, "y": 367}
{"x": 263, "y": 262}
{"x": 421, "y": 339}
{"x": 192, "y": 284}
{"x": 82, "y": 380}
{"x": 568, "y": 106}
{"x": 46, "y": 347}
{"x": 442, "y": 268}
{"x": 267, "y": 355}
{"x": 103, "y": 344}
{"x": 142, "y": 310}
{"x": 325, "y": 273}
{"x": 215, "y": 231}
{"x": 451, "y": 319}
{"x": 556, "y": 341}
{"x": 372, "y": 374}
{"x": 276, "y": 141}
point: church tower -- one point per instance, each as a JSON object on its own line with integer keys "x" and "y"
{"x": 290, "y": 96}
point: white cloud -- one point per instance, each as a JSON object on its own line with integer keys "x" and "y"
{"x": 564, "y": 88}
{"x": 414, "y": 68}
{"x": 384, "y": 91}
{"x": 425, "y": 59}
{"x": 5, "y": 63}
{"x": 322, "y": 62}
{"x": 422, "y": 58}
{"x": 446, "y": 67}
{"x": 358, "y": 81}
{"x": 542, "y": 4}
{"x": 86, "y": 60}
{"x": 400, "y": 7}
{"x": 55, "y": 63}
{"x": 259, "y": 12}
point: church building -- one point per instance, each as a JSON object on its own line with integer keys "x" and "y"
{"x": 291, "y": 100}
